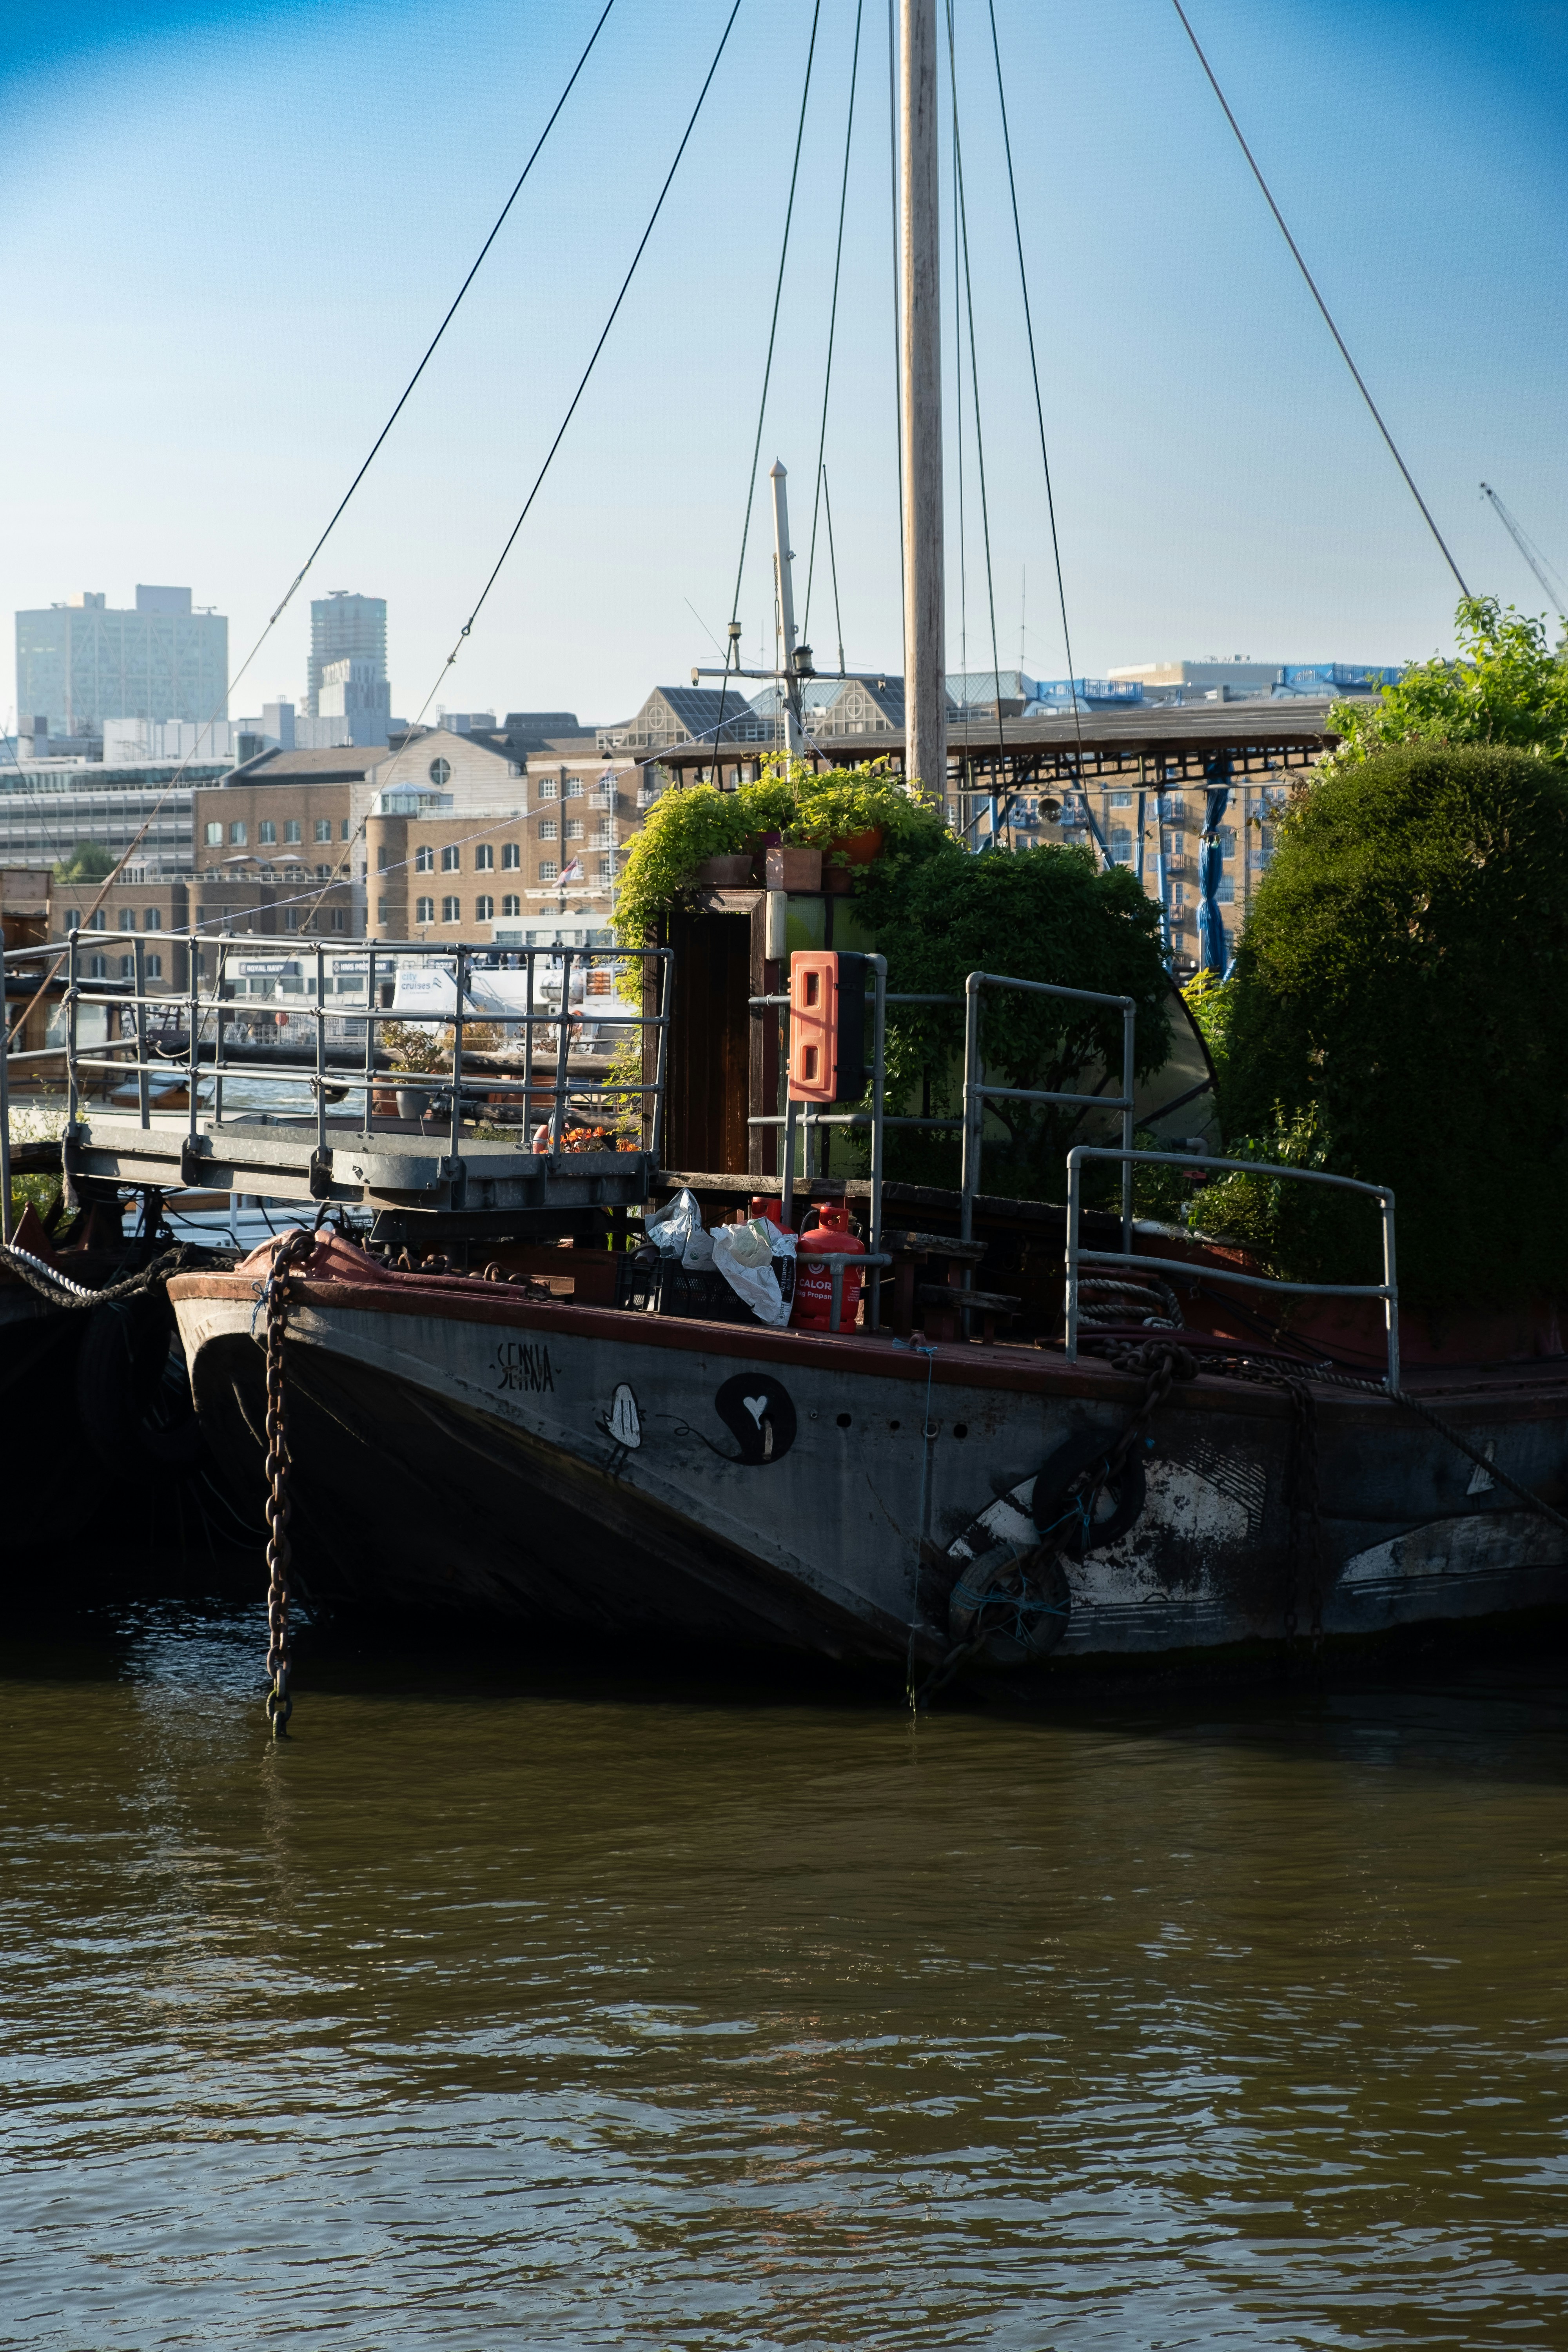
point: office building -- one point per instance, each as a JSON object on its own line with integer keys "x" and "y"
{"x": 352, "y": 692}
{"x": 85, "y": 661}
{"x": 345, "y": 627}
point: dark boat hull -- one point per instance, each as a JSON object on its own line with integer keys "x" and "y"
{"x": 621, "y": 1476}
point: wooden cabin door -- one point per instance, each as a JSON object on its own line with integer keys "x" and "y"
{"x": 710, "y": 1044}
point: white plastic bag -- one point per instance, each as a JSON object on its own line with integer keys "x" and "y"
{"x": 745, "y": 1256}
{"x": 679, "y": 1233}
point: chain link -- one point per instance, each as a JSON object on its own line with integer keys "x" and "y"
{"x": 292, "y": 1250}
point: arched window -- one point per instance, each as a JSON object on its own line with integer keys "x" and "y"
{"x": 511, "y": 907}
{"x": 484, "y": 910}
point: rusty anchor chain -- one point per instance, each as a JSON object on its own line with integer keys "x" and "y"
{"x": 276, "y": 1297}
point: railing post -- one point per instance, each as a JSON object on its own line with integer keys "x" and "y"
{"x": 1069, "y": 1300}
{"x": 143, "y": 1092}
{"x": 1391, "y": 1304}
{"x": 73, "y": 1096}
{"x": 973, "y": 1106}
{"x": 320, "y": 1050}
{"x": 661, "y": 1058}
{"x": 460, "y": 971}
{"x": 563, "y": 1044}
{"x": 1128, "y": 1027}
{"x": 223, "y": 954}
{"x": 192, "y": 1056}
{"x": 5, "y": 1109}
{"x": 369, "y": 1104}
{"x": 528, "y": 1055}
{"x": 878, "y": 1088}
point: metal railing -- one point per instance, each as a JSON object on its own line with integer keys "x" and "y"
{"x": 208, "y": 1011}
{"x": 977, "y": 1094}
{"x": 1387, "y": 1289}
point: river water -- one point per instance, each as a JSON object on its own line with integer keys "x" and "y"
{"x": 504, "y": 2010}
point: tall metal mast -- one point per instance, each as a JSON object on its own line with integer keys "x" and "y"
{"x": 919, "y": 351}
{"x": 783, "y": 558}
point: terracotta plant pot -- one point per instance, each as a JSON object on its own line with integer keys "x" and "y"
{"x": 837, "y": 881}
{"x": 859, "y": 848}
{"x": 793, "y": 869}
{"x": 733, "y": 872}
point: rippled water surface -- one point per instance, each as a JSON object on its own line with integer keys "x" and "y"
{"x": 500, "y": 2010}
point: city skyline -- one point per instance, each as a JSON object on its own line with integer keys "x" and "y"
{"x": 1197, "y": 516}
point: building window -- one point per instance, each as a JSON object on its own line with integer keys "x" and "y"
{"x": 267, "y": 830}
{"x": 381, "y": 914}
{"x": 153, "y": 967}
{"x": 127, "y": 967}
{"x": 213, "y": 834}
{"x": 573, "y": 828}
{"x": 98, "y": 967}
{"x": 381, "y": 859}
{"x": 152, "y": 920}
{"x": 323, "y": 829}
{"x": 548, "y": 869}
{"x": 549, "y": 789}
{"x": 484, "y": 858}
{"x": 484, "y": 910}
{"x": 451, "y": 911}
{"x": 510, "y": 856}
{"x": 1120, "y": 799}
{"x": 343, "y": 830}
{"x": 547, "y": 828}
{"x": 574, "y": 791}
{"x": 424, "y": 910}
{"x": 237, "y": 832}
{"x": 337, "y": 918}
{"x": 96, "y": 921}
{"x": 440, "y": 773}
{"x": 128, "y": 918}
{"x": 511, "y": 907}
{"x": 1224, "y": 890}
{"x": 291, "y": 828}
{"x": 606, "y": 869}
{"x": 425, "y": 859}
{"x": 451, "y": 858}
{"x": 292, "y": 918}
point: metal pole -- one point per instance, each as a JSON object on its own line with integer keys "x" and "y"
{"x": 1391, "y": 1304}
{"x": 788, "y": 1210}
{"x": 528, "y": 1057}
{"x": 144, "y": 1092}
{"x": 73, "y": 962}
{"x": 192, "y": 1058}
{"x": 563, "y": 1040}
{"x": 919, "y": 351}
{"x": 879, "y": 1085}
{"x": 973, "y": 1106}
{"x": 460, "y": 971}
{"x": 5, "y": 1113}
{"x": 666, "y": 996}
{"x": 1070, "y": 1299}
{"x": 1128, "y": 1023}
{"x": 320, "y": 1053}
{"x": 1162, "y": 872}
{"x": 218, "y": 1039}
{"x": 369, "y": 1025}
{"x": 795, "y": 732}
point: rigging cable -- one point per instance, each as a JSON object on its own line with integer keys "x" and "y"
{"x": 571, "y": 411}
{"x": 768, "y": 368}
{"x": 338, "y": 511}
{"x": 832, "y": 325}
{"x": 898, "y": 345}
{"x": 1313, "y": 289}
{"x": 1040, "y": 409}
{"x": 833, "y": 566}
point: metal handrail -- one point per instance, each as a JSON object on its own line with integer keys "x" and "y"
{"x": 1387, "y": 1289}
{"x": 206, "y": 1014}
{"x": 976, "y": 1093}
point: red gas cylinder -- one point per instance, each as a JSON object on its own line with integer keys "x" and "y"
{"x": 813, "y": 1283}
{"x": 771, "y": 1208}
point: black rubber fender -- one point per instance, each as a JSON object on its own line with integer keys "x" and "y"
{"x": 1117, "y": 1504}
{"x": 1026, "y": 1597}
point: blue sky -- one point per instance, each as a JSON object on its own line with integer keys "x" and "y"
{"x": 227, "y": 234}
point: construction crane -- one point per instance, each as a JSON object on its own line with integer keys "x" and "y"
{"x": 1557, "y": 596}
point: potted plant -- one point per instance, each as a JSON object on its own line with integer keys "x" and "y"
{"x": 415, "y": 1051}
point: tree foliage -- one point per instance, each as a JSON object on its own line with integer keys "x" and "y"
{"x": 1399, "y": 1012}
{"x": 1509, "y": 688}
{"x": 89, "y": 862}
{"x": 1042, "y": 914}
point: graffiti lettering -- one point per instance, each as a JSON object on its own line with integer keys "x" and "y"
{"x": 523, "y": 1365}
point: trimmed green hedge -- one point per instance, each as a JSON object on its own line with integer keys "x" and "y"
{"x": 1399, "y": 1012}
